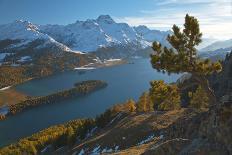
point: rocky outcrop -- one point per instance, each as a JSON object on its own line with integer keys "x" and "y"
{"x": 222, "y": 82}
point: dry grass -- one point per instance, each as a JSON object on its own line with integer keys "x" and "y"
{"x": 11, "y": 96}
{"x": 131, "y": 130}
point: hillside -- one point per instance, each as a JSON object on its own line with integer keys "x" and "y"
{"x": 175, "y": 132}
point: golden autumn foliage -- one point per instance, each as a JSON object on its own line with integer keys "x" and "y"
{"x": 164, "y": 96}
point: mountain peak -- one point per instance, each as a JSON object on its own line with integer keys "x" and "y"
{"x": 105, "y": 18}
{"x": 25, "y": 24}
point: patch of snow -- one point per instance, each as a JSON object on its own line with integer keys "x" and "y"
{"x": 4, "y": 110}
{"x": 15, "y": 65}
{"x": 82, "y": 152}
{"x": 24, "y": 59}
{"x": 161, "y": 136}
{"x": 112, "y": 60}
{"x": 97, "y": 60}
{"x": 89, "y": 134}
{"x": 5, "y": 88}
{"x": 116, "y": 117}
{"x": 73, "y": 51}
{"x": 3, "y": 55}
{"x": 96, "y": 150}
{"x": 45, "y": 149}
{"x": 84, "y": 68}
{"x": 106, "y": 150}
{"x": 149, "y": 138}
{"x": 116, "y": 148}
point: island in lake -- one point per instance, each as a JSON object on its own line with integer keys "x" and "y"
{"x": 80, "y": 89}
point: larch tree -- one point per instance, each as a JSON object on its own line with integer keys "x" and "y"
{"x": 182, "y": 56}
{"x": 144, "y": 104}
{"x": 164, "y": 96}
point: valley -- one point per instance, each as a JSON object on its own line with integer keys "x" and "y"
{"x": 80, "y": 107}
{"x": 102, "y": 86}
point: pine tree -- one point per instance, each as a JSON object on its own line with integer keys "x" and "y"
{"x": 199, "y": 99}
{"x": 182, "y": 57}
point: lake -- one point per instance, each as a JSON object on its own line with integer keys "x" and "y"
{"x": 124, "y": 82}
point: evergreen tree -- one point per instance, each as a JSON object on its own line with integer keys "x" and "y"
{"x": 199, "y": 99}
{"x": 144, "y": 104}
{"x": 182, "y": 57}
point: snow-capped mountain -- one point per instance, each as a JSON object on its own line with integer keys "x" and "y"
{"x": 92, "y": 34}
{"x": 23, "y": 33}
{"x": 103, "y": 37}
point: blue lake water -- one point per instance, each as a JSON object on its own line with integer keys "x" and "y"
{"x": 124, "y": 82}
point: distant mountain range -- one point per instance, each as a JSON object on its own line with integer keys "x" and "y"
{"x": 217, "y": 50}
{"x": 85, "y": 36}
{"x": 92, "y": 34}
{"x": 102, "y": 37}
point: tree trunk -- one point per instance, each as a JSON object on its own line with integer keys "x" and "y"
{"x": 202, "y": 80}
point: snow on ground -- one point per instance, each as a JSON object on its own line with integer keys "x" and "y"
{"x": 89, "y": 134}
{"x": 4, "y": 110}
{"x": 97, "y": 60}
{"x": 74, "y": 51}
{"x": 99, "y": 150}
{"x": 3, "y": 55}
{"x": 24, "y": 59}
{"x": 116, "y": 148}
{"x": 5, "y": 88}
{"x": 116, "y": 117}
{"x": 82, "y": 152}
{"x": 149, "y": 138}
{"x": 15, "y": 65}
{"x": 106, "y": 150}
{"x": 45, "y": 149}
{"x": 84, "y": 68}
{"x": 161, "y": 136}
{"x": 96, "y": 150}
{"x": 112, "y": 60}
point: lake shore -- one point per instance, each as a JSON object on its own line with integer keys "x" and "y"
{"x": 79, "y": 89}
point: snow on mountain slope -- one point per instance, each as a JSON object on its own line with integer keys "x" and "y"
{"x": 152, "y": 35}
{"x": 87, "y": 36}
{"x": 93, "y": 34}
{"x": 26, "y": 32}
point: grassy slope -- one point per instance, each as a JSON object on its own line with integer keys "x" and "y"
{"x": 131, "y": 130}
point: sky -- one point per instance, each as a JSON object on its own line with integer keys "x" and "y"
{"x": 215, "y": 16}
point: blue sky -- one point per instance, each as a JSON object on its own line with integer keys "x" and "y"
{"x": 215, "y": 16}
